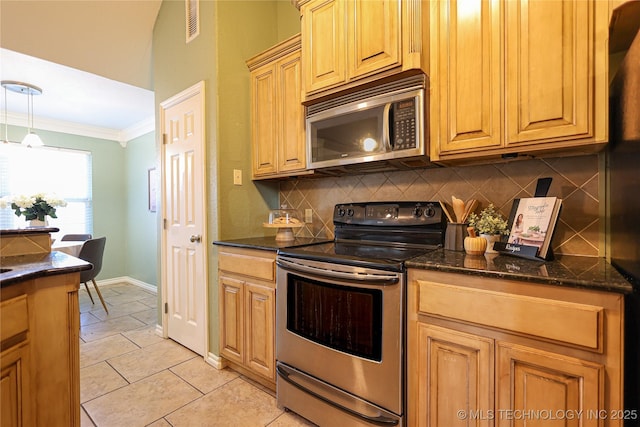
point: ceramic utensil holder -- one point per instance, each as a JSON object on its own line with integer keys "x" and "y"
{"x": 454, "y": 236}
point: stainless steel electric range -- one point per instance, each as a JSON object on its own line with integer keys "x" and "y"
{"x": 340, "y": 314}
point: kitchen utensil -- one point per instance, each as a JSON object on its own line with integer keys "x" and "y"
{"x": 470, "y": 207}
{"x": 445, "y": 209}
{"x": 458, "y": 208}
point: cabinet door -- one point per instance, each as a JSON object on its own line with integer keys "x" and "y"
{"x": 374, "y": 40}
{"x": 535, "y": 380}
{"x": 323, "y": 44}
{"x": 466, "y": 73}
{"x": 291, "y": 142}
{"x": 14, "y": 387}
{"x": 549, "y": 69}
{"x": 455, "y": 373}
{"x": 231, "y": 318}
{"x": 260, "y": 320}
{"x": 264, "y": 132}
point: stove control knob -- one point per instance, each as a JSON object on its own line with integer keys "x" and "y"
{"x": 429, "y": 212}
{"x": 417, "y": 212}
{"x": 350, "y": 212}
{"x": 341, "y": 211}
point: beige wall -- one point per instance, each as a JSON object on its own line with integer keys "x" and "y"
{"x": 575, "y": 179}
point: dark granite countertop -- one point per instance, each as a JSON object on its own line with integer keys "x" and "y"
{"x": 270, "y": 243}
{"x": 574, "y": 271}
{"x": 27, "y": 267}
{"x": 27, "y": 230}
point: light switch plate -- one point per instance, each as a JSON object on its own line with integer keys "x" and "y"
{"x": 308, "y": 216}
{"x": 237, "y": 177}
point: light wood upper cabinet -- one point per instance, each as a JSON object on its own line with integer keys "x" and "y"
{"x": 549, "y": 71}
{"x": 466, "y": 75}
{"x": 351, "y": 42}
{"x": 323, "y": 51}
{"x": 373, "y": 36}
{"x": 513, "y": 77}
{"x": 277, "y": 114}
{"x": 291, "y": 138}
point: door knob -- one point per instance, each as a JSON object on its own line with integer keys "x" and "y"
{"x": 197, "y": 238}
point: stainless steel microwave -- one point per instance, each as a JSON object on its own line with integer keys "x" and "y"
{"x": 383, "y": 123}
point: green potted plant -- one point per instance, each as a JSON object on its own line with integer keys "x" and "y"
{"x": 490, "y": 224}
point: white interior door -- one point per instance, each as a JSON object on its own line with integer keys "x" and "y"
{"x": 184, "y": 229}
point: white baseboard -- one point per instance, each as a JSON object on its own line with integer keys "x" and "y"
{"x": 160, "y": 331}
{"x": 128, "y": 280}
{"x": 215, "y": 361}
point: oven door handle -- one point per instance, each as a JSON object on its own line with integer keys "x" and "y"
{"x": 390, "y": 278}
{"x": 380, "y": 420}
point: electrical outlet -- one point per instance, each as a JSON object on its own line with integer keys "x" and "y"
{"x": 308, "y": 216}
{"x": 237, "y": 177}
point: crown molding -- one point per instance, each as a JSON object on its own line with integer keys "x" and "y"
{"x": 121, "y": 136}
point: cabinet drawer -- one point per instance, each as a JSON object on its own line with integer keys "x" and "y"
{"x": 249, "y": 263}
{"x": 568, "y": 322}
{"x": 14, "y": 318}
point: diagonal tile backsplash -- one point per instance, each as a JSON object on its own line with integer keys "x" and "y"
{"x": 575, "y": 180}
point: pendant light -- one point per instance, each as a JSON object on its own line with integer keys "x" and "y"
{"x": 31, "y": 139}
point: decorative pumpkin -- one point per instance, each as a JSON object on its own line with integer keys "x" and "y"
{"x": 474, "y": 244}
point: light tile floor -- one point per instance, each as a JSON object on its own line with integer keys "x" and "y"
{"x": 129, "y": 376}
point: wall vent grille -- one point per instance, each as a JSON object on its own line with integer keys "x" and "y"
{"x": 192, "y": 15}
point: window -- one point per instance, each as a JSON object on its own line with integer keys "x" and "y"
{"x": 66, "y": 173}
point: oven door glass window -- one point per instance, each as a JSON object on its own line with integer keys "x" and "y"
{"x": 345, "y": 318}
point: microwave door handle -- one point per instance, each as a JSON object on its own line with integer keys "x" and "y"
{"x": 386, "y": 137}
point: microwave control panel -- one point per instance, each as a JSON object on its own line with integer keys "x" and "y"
{"x": 404, "y": 125}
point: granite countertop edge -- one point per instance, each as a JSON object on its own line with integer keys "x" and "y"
{"x": 269, "y": 243}
{"x": 28, "y": 267}
{"x": 570, "y": 271}
{"x": 27, "y": 230}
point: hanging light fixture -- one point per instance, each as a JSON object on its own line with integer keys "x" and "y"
{"x": 31, "y": 139}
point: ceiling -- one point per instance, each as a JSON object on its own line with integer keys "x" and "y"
{"x": 92, "y": 59}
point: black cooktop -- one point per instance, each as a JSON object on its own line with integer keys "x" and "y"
{"x": 356, "y": 253}
{"x": 378, "y": 234}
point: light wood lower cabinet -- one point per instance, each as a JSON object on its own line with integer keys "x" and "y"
{"x": 492, "y": 352}
{"x": 455, "y": 373}
{"x": 545, "y": 386}
{"x": 40, "y": 356}
{"x": 14, "y": 363}
{"x": 247, "y": 311}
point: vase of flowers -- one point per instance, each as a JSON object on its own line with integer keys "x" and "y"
{"x": 35, "y": 208}
{"x": 490, "y": 224}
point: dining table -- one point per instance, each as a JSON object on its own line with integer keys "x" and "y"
{"x": 69, "y": 247}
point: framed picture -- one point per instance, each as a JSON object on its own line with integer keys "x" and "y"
{"x": 152, "y": 176}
